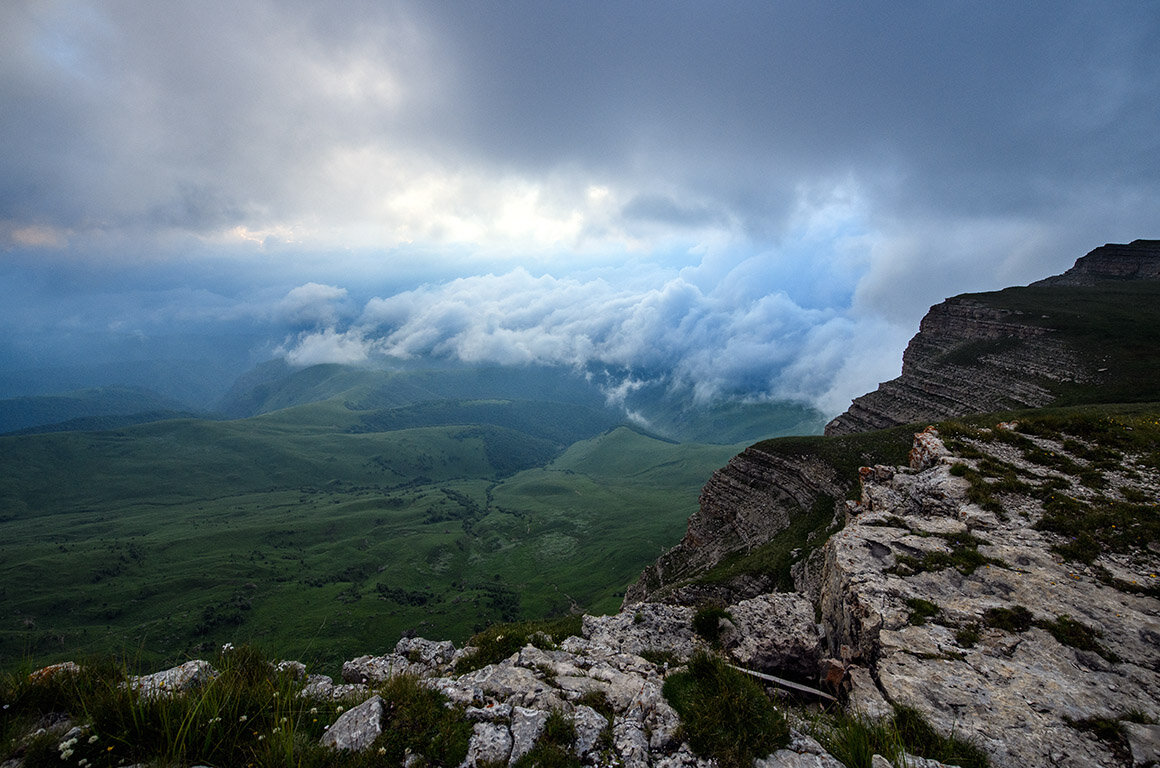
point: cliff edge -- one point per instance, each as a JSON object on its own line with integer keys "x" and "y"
{"x": 1065, "y": 339}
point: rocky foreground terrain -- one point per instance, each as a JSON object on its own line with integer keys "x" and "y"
{"x": 944, "y": 592}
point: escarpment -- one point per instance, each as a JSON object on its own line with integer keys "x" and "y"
{"x": 1022, "y": 347}
{"x": 747, "y": 503}
{"x": 967, "y": 357}
{"x": 1138, "y": 260}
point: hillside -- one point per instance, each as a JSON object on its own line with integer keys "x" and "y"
{"x": 324, "y": 529}
{"x": 1091, "y": 335}
{"x": 84, "y": 409}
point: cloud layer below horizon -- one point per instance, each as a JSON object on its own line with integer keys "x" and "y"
{"x": 760, "y": 198}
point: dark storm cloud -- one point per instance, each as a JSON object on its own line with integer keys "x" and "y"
{"x": 816, "y": 170}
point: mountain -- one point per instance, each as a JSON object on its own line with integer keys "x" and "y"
{"x": 653, "y": 408}
{"x": 1090, "y": 335}
{"x": 979, "y": 539}
{"x": 85, "y": 409}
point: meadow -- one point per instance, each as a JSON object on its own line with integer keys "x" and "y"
{"x": 326, "y": 530}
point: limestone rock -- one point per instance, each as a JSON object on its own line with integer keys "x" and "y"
{"x": 646, "y": 627}
{"x": 1144, "y": 743}
{"x": 863, "y": 696}
{"x": 490, "y": 743}
{"x": 801, "y": 752}
{"x": 775, "y": 633}
{"x": 177, "y": 680}
{"x": 356, "y": 728}
{"x": 527, "y": 725}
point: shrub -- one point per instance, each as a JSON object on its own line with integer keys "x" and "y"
{"x": 707, "y": 622}
{"x": 1015, "y": 619}
{"x": 725, "y": 714}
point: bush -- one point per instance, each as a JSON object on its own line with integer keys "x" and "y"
{"x": 725, "y": 714}
{"x": 707, "y": 622}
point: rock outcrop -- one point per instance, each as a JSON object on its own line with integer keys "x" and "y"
{"x": 1138, "y": 260}
{"x": 744, "y": 505}
{"x": 981, "y": 353}
{"x": 969, "y": 616}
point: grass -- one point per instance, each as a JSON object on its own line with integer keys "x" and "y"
{"x": 248, "y": 715}
{"x": 921, "y": 611}
{"x": 855, "y": 740}
{"x": 555, "y": 746}
{"x": 1015, "y": 619}
{"x": 500, "y": 641}
{"x": 964, "y": 556}
{"x": 1077, "y": 635}
{"x": 320, "y": 542}
{"x": 724, "y": 714}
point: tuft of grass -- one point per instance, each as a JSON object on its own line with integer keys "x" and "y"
{"x": 707, "y": 622}
{"x": 1015, "y": 619}
{"x": 921, "y": 739}
{"x": 1078, "y": 635}
{"x": 921, "y": 610}
{"x": 724, "y": 714}
{"x": 500, "y": 641}
{"x": 855, "y": 740}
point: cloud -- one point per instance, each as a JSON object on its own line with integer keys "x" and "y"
{"x": 328, "y": 346}
{"x": 755, "y": 197}
{"x": 675, "y": 333}
{"x": 311, "y": 304}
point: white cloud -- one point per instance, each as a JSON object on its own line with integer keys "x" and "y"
{"x": 311, "y": 304}
{"x": 328, "y": 346}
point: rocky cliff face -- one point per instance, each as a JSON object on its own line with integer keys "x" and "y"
{"x": 978, "y": 353}
{"x": 968, "y": 357}
{"x": 744, "y": 505}
{"x": 1138, "y": 260}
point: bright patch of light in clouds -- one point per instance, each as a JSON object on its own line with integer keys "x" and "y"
{"x": 761, "y": 201}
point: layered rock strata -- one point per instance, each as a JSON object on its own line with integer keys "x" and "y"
{"x": 967, "y": 357}
{"x": 1138, "y": 260}
{"x": 745, "y": 504}
{"x": 971, "y": 357}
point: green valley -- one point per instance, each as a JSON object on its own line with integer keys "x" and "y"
{"x": 327, "y": 529}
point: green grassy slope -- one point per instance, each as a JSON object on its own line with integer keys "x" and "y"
{"x": 1113, "y": 326}
{"x": 300, "y": 532}
{"x": 22, "y": 413}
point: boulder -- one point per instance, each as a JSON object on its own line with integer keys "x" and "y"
{"x": 357, "y": 728}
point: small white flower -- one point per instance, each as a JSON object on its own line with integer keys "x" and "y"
{"x": 382, "y": 750}
{"x": 338, "y": 709}
{"x": 313, "y": 710}
{"x": 276, "y": 729}
{"x": 263, "y": 736}
{"x": 242, "y": 719}
{"x": 93, "y": 739}
{"x": 66, "y": 754}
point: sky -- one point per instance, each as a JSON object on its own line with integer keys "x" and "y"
{"x": 751, "y": 200}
